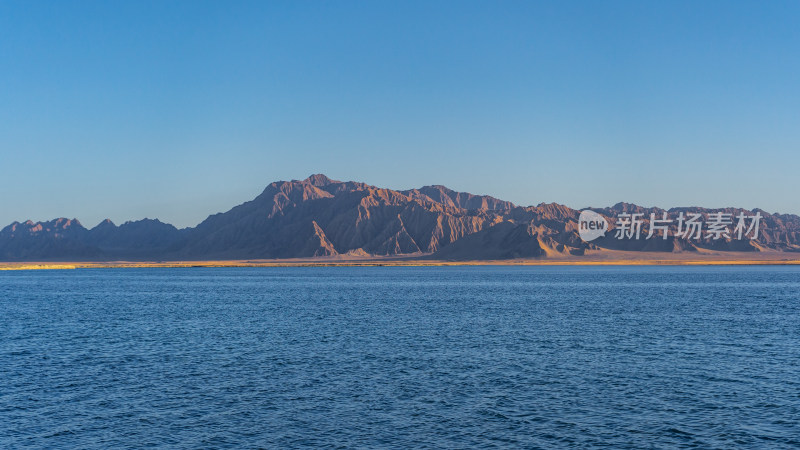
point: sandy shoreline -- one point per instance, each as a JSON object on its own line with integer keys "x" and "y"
{"x": 605, "y": 258}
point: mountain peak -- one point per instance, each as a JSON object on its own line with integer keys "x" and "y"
{"x": 64, "y": 223}
{"x": 320, "y": 180}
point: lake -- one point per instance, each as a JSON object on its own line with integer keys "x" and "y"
{"x": 401, "y": 357}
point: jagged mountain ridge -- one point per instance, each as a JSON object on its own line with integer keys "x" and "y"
{"x": 319, "y": 216}
{"x": 64, "y": 239}
{"x": 326, "y": 217}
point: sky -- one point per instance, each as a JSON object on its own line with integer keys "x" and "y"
{"x": 177, "y": 110}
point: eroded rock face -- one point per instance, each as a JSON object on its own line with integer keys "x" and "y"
{"x": 319, "y": 216}
{"x": 461, "y": 200}
{"x": 347, "y": 217}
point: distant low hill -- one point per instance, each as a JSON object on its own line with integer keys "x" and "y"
{"x": 323, "y": 217}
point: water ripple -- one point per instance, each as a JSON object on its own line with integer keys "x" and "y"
{"x": 448, "y": 357}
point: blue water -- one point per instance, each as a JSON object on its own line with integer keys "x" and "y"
{"x": 444, "y": 357}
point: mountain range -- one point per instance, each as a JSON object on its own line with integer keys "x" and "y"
{"x": 321, "y": 217}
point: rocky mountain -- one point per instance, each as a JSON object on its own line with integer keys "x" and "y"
{"x": 322, "y": 217}
{"x": 64, "y": 239}
{"x": 319, "y": 216}
{"x": 778, "y": 232}
{"x": 56, "y": 239}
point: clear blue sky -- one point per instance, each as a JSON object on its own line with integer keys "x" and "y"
{"x": 177, "y": 110}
